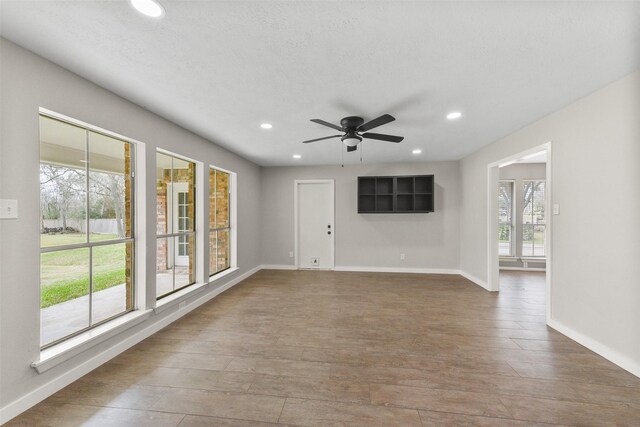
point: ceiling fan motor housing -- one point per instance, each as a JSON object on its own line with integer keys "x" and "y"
{"x": 352, "y": 122}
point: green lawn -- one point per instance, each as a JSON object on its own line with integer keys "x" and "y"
{"x": 64, "y": 275}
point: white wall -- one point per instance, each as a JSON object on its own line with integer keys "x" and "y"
{"x": 429, "y": 241}
{"x": 29, "y": 82}
{"x": 595, "y": 273}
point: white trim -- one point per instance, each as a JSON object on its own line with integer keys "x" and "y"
{"x": 608, "y": 353}
{"x": 25, "y": 402}
{"x": 233, "y": 216}
{"x": 69, "y": 348}
{"x": 493, "y": 259}
{"x": 493, "y": 250}
{"x": 221, "y": 274}
{"x": 177, "y": 156}
{"x": 399, "y": 270}
{"x": 278, "y": 267}
{"x": 140, "y": 230}
{"x": 177, "y": 297}
{"x": 80, "y": 123}
{"x": 296, "y": 183}
{"x": 522, "y": 269}
{"x": 475, "y": 280}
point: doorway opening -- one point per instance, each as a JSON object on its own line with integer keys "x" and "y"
{"x": 519, "y": 226}
{"x": 314, "y": 224}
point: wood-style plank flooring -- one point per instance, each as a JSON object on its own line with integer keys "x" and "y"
{"x": 337, "y": 348}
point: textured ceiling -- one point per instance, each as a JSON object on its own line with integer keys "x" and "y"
{"x": 222, "y": 68}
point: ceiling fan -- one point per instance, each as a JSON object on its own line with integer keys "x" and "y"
{"x": 355, "y": 129}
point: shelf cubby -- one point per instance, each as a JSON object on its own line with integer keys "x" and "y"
{"x": 395, "y": 194}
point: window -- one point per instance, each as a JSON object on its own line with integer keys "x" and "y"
{"x": 505, "y": 226}
{"x": 86, "y": 229}
{"x": 219, "y": 223}
{"x": 176, "y": 234}
{"x": 533, "y": 219}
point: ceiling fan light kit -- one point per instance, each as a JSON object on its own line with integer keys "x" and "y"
{"x": 355, "y": 129}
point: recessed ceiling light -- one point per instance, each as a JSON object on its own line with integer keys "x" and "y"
{"x": 149, "y": 8}
{"x": 417, "y": 151}
{"x": 454, "y": 115}
{"x": 297, "y": 156}
{"x": 266, "y": 126}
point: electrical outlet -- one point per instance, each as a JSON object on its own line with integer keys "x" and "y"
{"x": 182, "y": 305}
{"x": 8, "y": 209}
{"x": 290, "y": 254}
{"x": 401, "y": 256}
{"x": 315, "y": 262}
{"x": 556, "y": 209}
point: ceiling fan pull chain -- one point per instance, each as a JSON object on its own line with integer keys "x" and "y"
{"x": 341, "y": 155}
{"x": 361, "y": 148}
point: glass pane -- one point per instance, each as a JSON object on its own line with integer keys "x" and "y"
{"x": 163, "y": 196}
{"x": 184, "y": 175}
{"x": 109, "y": 188}
{"x": 504, "y": 238}
{"x": 212, "y": 198}
{"x": 222, "y": 200}
{"x": 185, "y": 261}
{"x": 505, "y": 201}
{"x": 64, "y": 293}
{"x": 527, "y": 240}
{"x": 63, "y": 196}
{"x": 538, "y": 240}
{"x": 213, "y": 251}
{"x": 112, "y": 280}
{"x": 538, "y": 203}
{"x": 164, "y": 266}
{"x": 222, "y": 257}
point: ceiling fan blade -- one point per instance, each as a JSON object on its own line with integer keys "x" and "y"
{"x": 382, "y": 120}
{"x": 351, "y": 148}
{"x": 320, "y": 139}
{"x": 382, "y": 137}
{"x": 331, "y": 125}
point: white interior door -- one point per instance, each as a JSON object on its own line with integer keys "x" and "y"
{"x": 315, "y": 230}
{"x": 181, "y": 219}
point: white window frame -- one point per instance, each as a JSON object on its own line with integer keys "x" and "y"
{"x": 55, "y": 354}
{"x": 198, "y": 233}
{"x": 233, "y": 221}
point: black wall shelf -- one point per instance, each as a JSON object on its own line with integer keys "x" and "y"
{"x": 395, "y": 194}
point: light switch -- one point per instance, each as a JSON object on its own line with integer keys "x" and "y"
{"x": 8, "y": 209}
{"x": 556, "y": 209}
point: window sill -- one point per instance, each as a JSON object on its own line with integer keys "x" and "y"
{"x": 60, "y": 353}
{"x": 179, "y": 296}
{"x": 223, "y": 274}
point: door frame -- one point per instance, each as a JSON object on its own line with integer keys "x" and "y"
{"x": 493, "y": 257}
{"x": 296, "y": 186}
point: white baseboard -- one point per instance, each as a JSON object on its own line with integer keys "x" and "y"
{"x": 522, "y": 269}
{"x": 608, "y": 353}
{"x": 475, "y": 280}
{"x": 398, "y": 270}
{"x": 23, "y": 403}
{"x": 278, "y": 267}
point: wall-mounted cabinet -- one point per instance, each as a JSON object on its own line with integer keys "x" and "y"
{"x": 395, "y": 194}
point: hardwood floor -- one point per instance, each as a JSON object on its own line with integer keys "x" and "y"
{"x": 337, "y": 348}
